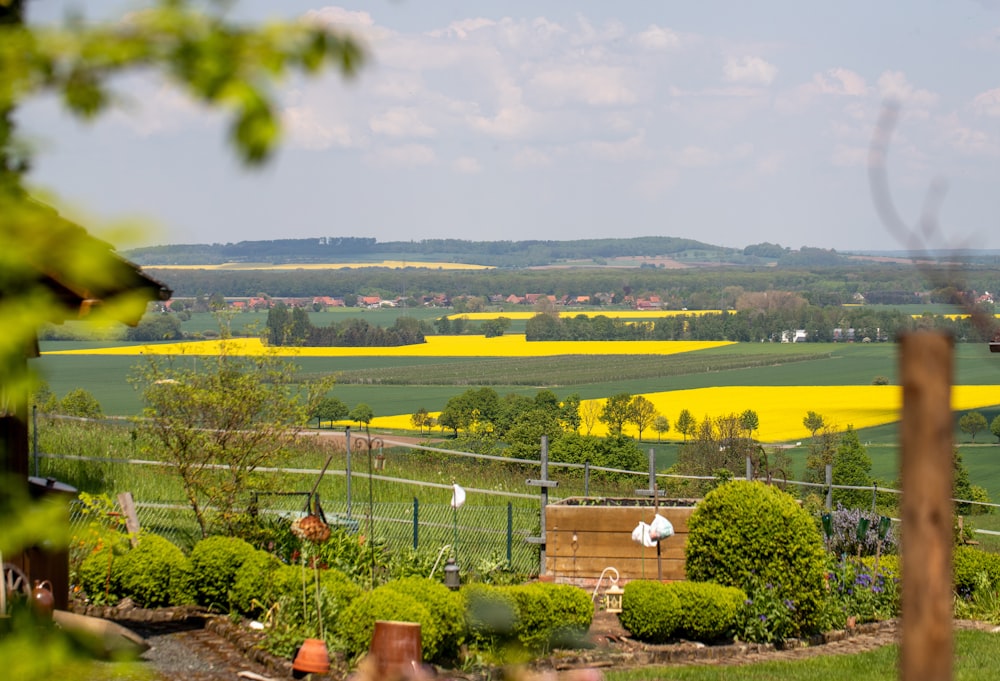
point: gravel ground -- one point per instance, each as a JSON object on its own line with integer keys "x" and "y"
{"x": 183, "y": 653}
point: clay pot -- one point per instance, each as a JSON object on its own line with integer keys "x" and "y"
{"x": 42, "y": 600}
{"x": 396, "y": 648}
{"x": 312, "y": 657}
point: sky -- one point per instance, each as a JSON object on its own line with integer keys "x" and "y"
{"x": 732, "y": 123}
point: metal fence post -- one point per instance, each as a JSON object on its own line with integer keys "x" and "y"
{"x": 347, "y": 440}
{"x": 829, "y": 487}
{"x": 510, "y": 533}
{"x": 749, "y": 469}
{"x": 586, "y": 478}
{"x": 416, "y": 523}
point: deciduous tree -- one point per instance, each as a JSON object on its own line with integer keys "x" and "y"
{"x": 641, "y": 413}
{"x": 972, "y": 423}
{"x": 615, "y": 413}
{"x": 685, "y": 424}
{"x": 216, "y": 425}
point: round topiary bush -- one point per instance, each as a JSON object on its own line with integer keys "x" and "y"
{"x": 154, "y": 574}
{"x": 551, "y": 615}
{"x": 707, "y": 612}
{"x": 445, "y": 607}
{"x": 356, "y": 623}
{"x": 336, "y": 589}
{"x": 650, "y": 611}
{"x": 214, "y": 564}
{"x": 490, "y": 615}
{"x": 254, "y": 588}
{"x": 969, "y": 564}
{"x": 744, "y": 532}
{"x": 98, "y": 573}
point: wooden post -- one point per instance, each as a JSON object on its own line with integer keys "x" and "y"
{"x": 127, "y": 504}
{"x": 927, "y": 510}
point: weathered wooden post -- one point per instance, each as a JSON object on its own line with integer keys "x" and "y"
{"x": 927, "y": 510}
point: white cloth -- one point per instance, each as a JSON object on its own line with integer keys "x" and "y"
{"x": 457, "y": 497}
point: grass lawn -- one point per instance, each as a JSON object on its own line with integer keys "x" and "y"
{"x": 975, "y": 658}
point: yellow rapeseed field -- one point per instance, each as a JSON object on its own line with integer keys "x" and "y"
{"x": 508, "y": 345}
{"x": 780, "y": 408}
{"x": 393, "y": 264}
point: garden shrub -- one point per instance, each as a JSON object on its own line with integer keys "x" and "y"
{"x": 444, "y": 605}
{"x": 98, "y": 573}
{"x": 490, "y": 616}
{"x": 336, "y": 592}
{"x": 154, "y": 574}
{"x": 968, "y": 563}
{"x": 707, "y": 611}
{"x": 551, "y": 615}
{"x": 214, "y": 563}
{"x": 255, "y": 588}
{"x": 650, "y": 611}
{"x": 768, "y": 616}
{"x": 743, "y": 532}
{"x": 356, "y": 623}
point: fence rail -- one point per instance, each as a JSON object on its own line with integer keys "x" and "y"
{"x": 506, "y": 531}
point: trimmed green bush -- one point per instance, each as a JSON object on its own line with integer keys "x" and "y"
{"x": 490, "y": 615}
{"x": 650, "y": 611}
{"x": 214, "y": 563}
{"x": 968, "y": 563}
{"x": 98, "y": 573}
{"x": 255, "y": 588}
{"x": 334, "y": 584}
{"x": 154, "y": 574}
{"x": 445, "y": 606}
{"x": 744, "y": 531}
{"x": 551, "y": 615}
{"x": 356, "y": 623}
{"x": 707, "y": 611}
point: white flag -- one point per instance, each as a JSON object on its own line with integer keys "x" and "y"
{"x": 457, "y": 497}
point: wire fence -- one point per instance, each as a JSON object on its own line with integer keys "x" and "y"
{"x": 398, "y": 494}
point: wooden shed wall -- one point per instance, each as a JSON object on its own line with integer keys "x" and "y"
{"x": 580, "y": 541}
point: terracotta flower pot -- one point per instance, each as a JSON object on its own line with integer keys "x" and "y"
{"x": 312, "y": 657}
{"x": 396, "y": 647}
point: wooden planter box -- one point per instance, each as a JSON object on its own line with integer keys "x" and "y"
{"x": 584, "y": 536}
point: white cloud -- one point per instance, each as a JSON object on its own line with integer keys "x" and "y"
{"x": 750, "y": 70}
{"x": 306, "y": 130}
{"x": 467, "y": 165}
{"x": 403, "y": 156}
{"x": 400, "y": 122}
{"x": 630, "y": 149}
{"x": 657, "y": 39}
{"x": 592, "y": 85}
{"x": 696, "y": 157}
{"x": 463, "y": 28}
{"x": 838, "y": 81}
{"x": 530, "y": 157}
{"x": 987, "y": 103}
{"x": 894, "y": 85}
{"x": 972, "y": 142}
{"x": 848, "y": 156}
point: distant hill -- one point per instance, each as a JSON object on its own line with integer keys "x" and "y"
{"x": 634, "y": 252}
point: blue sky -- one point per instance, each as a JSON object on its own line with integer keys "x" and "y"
{"x": 728, "y": 122}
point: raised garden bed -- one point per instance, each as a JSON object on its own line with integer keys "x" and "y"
{"x": 585, "y": 535}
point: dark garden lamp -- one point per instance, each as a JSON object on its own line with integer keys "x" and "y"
{"x": 884, "y": 522}
{"x": 863, "y": 525}
{"x": 827, "y": 520}
{"x": 452, "y": 580}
